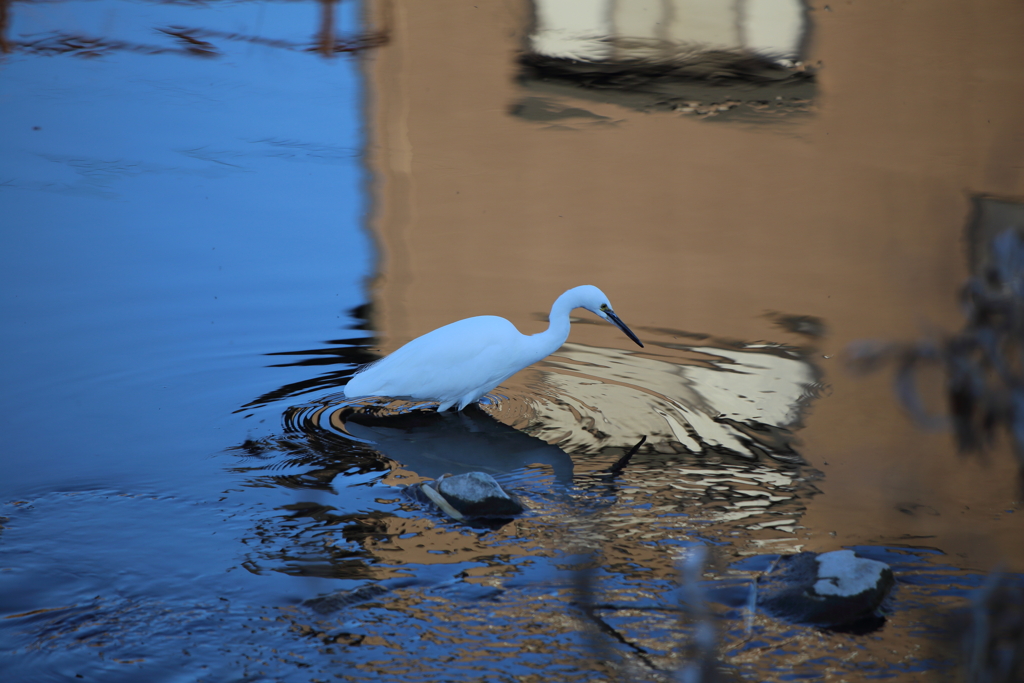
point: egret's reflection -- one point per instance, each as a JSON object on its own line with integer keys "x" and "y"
{"x": 432, "y": 444}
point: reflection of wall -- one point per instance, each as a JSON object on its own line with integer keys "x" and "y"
{"x": 855, "y": 215}
{"x": 586, "y": 29}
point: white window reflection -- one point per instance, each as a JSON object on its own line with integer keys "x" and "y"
{"x": 602, "y": 30}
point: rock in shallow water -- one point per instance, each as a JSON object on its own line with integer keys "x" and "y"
{"x": 469, "y": 496}
{"x": 325, "y": 604}
{"x": 831, "y": 589}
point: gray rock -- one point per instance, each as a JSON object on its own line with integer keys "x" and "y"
{"x": 469, "y": 496}
{"x": 325, "y": 604}
{"x": 831, "y": 590}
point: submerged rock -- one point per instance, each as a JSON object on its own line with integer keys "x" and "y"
{"x": 469, "y": 496}
{"x": 325, "y": 604}
{"x": 831, "y": 590}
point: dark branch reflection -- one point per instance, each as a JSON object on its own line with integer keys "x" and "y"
{"x": 190, "y": 41}
{"x": 982, "y": 363}
{"x": 5, "y": 14}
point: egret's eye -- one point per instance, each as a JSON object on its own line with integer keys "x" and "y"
{"x": 604, "y": 307}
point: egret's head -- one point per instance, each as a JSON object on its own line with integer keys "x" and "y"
{"x": 594, "y": 300}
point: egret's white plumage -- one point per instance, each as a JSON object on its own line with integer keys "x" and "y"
{"x": 460, "y": 362}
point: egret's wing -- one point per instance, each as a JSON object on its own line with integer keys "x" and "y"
{"x": 446, "y": 363}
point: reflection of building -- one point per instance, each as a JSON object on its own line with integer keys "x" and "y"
{"x": 855, "y": 215}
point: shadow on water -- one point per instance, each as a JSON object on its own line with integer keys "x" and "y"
{"x": 432, "y": 444}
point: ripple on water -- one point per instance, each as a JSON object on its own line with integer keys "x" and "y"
{"x": 711, "y": 414}
{"x": 737, "y": 399}
{"x": 720, "y": 469}
{"x": 713, "y": 397}
{"x": 126, "y": 586}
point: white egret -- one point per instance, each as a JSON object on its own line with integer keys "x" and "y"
{"x": 460, "y": 362}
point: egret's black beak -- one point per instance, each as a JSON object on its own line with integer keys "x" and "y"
{"x": 622, "y": 326}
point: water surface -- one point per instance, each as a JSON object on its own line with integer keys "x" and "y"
{"x": 213, "y": 214}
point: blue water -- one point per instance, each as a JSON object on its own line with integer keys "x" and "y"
{"x": 167, "y": 221}
{"x": 171, "y": 220}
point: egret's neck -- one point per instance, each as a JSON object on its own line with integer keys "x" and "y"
{"x": 549, "y": 341}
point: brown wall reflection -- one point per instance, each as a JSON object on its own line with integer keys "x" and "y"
{"x": 854, "y": 214}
